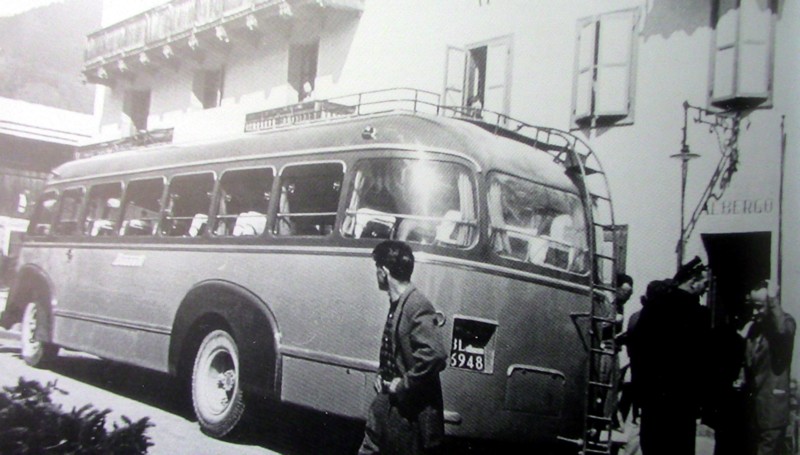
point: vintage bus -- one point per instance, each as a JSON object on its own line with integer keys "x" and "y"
{"x": 244, "y": 265}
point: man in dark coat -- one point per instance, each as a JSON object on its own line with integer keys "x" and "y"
{"x": 668, "y": 359}
{"x": 407, "y": 415}
{"x": 768, "y": 358}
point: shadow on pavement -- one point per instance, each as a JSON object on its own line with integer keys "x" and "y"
{"x": 279, "y": 427}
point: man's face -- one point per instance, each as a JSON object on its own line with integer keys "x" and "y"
{"x": 624, "y": 293}
{"x": 383, "y": 278}
{"x": 758, "y": 303}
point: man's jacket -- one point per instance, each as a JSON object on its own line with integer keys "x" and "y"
{"x": 768, "y": 360}
{"x": 420, "y": 354}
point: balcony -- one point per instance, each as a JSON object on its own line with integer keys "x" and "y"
{"x": 160, "y": 36}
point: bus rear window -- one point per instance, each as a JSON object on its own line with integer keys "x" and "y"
{"x": 44, "y": 215}
{"x": 422, "y": 201}
{"x": 537, "y": 224}
{"x": 142, "y": 207}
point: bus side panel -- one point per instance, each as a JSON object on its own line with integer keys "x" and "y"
{"x": 535, "y": 388}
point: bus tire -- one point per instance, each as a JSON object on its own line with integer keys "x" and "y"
{"x": 217, "y": 394}
{"x": 35, "y": 352}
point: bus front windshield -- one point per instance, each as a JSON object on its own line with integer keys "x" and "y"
{"x": 537, "y": 224}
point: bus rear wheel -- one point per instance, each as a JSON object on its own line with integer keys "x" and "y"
{"x": 216, "y": 392}
{"x": 35, "y": 352}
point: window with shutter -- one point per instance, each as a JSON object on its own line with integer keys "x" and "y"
{"x": 477, "y": 77}
{"x": 742, "y": 53}
{"x": 604, "y": 69}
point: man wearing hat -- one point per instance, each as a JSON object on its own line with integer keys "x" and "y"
{"x": 668, "y": 348}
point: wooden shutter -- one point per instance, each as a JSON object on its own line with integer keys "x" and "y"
{"x": 497, "y": 70}
{"x": 614, "y": 57}
{"x": 455, "y": 62}
{"x": 584, "y": 70}
{"x": 755, "y": 43}
{"x": 724, "y": 80}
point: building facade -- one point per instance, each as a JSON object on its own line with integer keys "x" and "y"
{"x": 34, "y": 139}
{"x": 655, "y": 86}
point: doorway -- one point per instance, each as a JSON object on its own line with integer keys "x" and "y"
{"x": 738, "y": 262}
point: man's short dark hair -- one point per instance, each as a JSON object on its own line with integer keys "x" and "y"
{"x": 397, "y": 257}
{"x": 623, "y": 278}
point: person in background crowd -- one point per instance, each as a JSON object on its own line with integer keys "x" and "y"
{"x": 622, "y": 295}
{"x": 768, "y": 358}
{"x": 629, "y": 401}
{"x": 726, "y": 412}
{"x": 407, "y": 415}
{"x": 668, "y": 348}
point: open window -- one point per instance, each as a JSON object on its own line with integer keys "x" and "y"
{"x": 142, "y": 207}
{"x": 309, "y": 199}
{"x": 743, "y": 49}
{"x": 243, "y": 202}
{"x": 422, "y": 201}
{"x": 136, "y": 107}
{"x": 207, "y": 87}
{"x": 188, "y": 205}
{"x": 67, "y": 222}
{"x": 477, "y": 77}
{"x": 537, "y": 224}
{"x": 303, "y": 68}
{"x": 44, "y": 214}
{"x": 603, "y": 87}
{"x": 103, "y": 209}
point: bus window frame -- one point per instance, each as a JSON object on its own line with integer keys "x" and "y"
{"x": 214, "y": 215}
{"x": 410, "y": 154}
{"x": 37, "y": 214}
{"x": 274, "y": 218}
{"x": 84, "y": 217}
{"x": 156, "y": 229}
{"x": 525, "y": 265}
{"x": 166, "y": 200}
{"x": 77, "y": 229}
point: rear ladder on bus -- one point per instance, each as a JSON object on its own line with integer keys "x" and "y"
{"x": 605, "y": 245}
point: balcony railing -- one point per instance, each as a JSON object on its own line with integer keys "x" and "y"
{"x": 164, "y": 23}
{"x": 179, "y": 19}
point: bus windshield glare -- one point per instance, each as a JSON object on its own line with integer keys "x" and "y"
{"x": 423, "y": 201}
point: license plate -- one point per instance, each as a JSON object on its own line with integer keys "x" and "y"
{"x": 467, "y": 361}
{"x": 467, "y": 357}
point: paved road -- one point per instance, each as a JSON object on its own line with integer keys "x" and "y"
{"x": 138, "y": 393}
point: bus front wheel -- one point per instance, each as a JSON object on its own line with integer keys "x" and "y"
{"x": 35, "y": 352}
{"x": 216, "y": 392}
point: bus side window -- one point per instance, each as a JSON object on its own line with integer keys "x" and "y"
{"x": 422, "y": 201}
{"x": 44, "y": 214}
{"x": 243, "y": 202}
{"x": 309, "y": 199}
{"x": 188, "y": 205}
{"x": 142, "y": 207}
{"x": 537, "y": 224}
{"x": 103, "y": 210}
{"x": 69, "y": 211}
